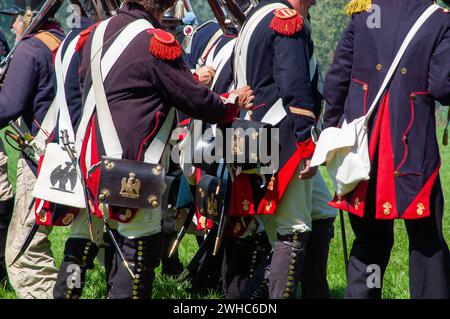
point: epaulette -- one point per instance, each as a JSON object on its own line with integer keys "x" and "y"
{"x": 357, "y": 6}
{"x": 164, "y": 46}
{"x": 84, "y": 36}
{"x": 286, "y": 22}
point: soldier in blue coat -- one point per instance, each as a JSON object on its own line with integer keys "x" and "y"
{"x": 276, "y": 64}
{"x": 404, "y": 151}
{"x": 27, "y": 93}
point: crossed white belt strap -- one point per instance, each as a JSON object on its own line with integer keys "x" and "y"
{"x": 277, "y": 112}
{"x": 59, "y": 103}
{"x": 109, "y": 59}
{"x": 219, "y": 61}
{"x": 108, "y": 132}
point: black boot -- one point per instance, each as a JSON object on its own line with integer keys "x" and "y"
{"x": 171, "y": 266}
{"x": 243, "y": 265}
{"x": 262, "y": 286}
{"x": 143, "y": 256}
{"x": 286, "y": 266}
{"x": 79, "y": 255}
{"x": 6, "y": 208}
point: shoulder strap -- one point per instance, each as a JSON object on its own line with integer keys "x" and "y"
{"x": 416, "y": 27}
{"x": 107, "y": 62}
{"x": 240, "y": 53}
{"x": 59, "y": 102}
{"x": 50, "y": 40}
{"x": 221, "y": 59}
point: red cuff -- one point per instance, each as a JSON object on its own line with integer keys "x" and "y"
{"x": 232, "y": 110}
{"x": 306, "y": 148}
{"x": 196, "y": 77}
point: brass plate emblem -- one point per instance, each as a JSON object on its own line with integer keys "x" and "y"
{"x": 130, "y": 187}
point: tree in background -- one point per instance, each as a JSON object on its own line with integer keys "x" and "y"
{"x": 328, "y": 22}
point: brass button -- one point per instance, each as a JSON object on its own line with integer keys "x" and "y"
{"x": 396, "y": 174}
{"x": 413, "y": 97}
{"x": 379, "y": 67}
{"x": 404, "y": 71}
{"x": 365, "y": 87}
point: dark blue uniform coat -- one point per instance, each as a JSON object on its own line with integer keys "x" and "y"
{"x": 403, "y": 145}
{"x": 278, "y": 67}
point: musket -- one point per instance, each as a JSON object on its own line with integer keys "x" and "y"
{"x": 219, "y": 15}
{"x": 234, "y": 12}
{"x": 71, "y": 152}
{"x": 25, "y": 142}
{"x": 112, "y": 6}
{"x": 223, "y": 216}
{"x": 48, "y": 9}
{"x": 207, "y": 243}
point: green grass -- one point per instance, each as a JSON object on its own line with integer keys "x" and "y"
{"x": 396, "y": 281}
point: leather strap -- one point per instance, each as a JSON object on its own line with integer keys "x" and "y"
{"x": 52, "y": 42}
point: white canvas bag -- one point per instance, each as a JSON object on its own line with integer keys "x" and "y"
{"x": 345, "y": 150}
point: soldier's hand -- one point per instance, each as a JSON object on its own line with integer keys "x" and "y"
{"x": 245, "y": 97}
{"x": 205, "y": 75}
{"x": 308, "y": 171}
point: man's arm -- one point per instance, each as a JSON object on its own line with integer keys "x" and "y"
{"x": 191, "y": 97}
{"x": 291, "y": 73}
{"x": 338, "y": 79}
{"x": 20, "y": 83}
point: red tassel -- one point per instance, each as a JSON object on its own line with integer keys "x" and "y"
{"x": 286, "y": 22}
{"x": 84, "y": 36}
{"x": 164, "y": 46}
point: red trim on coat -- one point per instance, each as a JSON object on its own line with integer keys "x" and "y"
{"x": 141, "y": 147}
{"x": 231, "y": 111}
{"x": 92, "y": 180}
{"x": 184, "y": 122}
{"x": 366, "y": 92}
{"x": 197, "y": 79}
{"x": 420, "y": 206}
{"x": 242, "y": 201}
{"x": 271, "y": 199}
{"x": 386, "y": 203}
